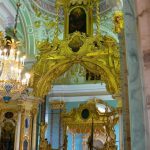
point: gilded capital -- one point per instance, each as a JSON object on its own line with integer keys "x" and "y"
{"x": 57, "y": 104}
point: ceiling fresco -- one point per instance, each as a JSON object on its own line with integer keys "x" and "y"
{"x": 44, "y": 11}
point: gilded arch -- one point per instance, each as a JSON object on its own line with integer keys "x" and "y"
{"x": 99, "y": 54}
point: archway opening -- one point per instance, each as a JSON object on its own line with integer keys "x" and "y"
{"x": 7, "y": 136}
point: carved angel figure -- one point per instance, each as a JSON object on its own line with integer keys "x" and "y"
{"x": 118, "y": 21}
{"x": 43, "y": 142}
{"x": 43, "y": 127}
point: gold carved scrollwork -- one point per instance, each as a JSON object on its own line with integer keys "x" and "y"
{"x": 78, "y": 124}
{"x": 103, "y": 122}
{"x": 98, "y": 54}
{"x": 73, "y": 2}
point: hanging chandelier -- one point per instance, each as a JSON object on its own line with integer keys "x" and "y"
{"x": 12, "y": 79}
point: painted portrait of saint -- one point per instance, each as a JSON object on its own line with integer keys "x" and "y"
{"x": 77, "y": 20}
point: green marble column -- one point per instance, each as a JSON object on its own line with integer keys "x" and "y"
{"x": 135, "y": 80}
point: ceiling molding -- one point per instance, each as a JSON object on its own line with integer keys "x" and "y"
{"x": 82, "y": 92}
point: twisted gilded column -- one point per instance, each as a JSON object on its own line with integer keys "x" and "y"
{"x": 57, "y": 22}
{"x": 98, "y": 17}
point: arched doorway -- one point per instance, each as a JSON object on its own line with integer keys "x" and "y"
{"x": 7, "y": 135}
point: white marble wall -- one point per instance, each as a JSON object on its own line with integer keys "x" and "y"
{"x": 135, "y": 79}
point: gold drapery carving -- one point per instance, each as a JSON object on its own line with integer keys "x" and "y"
{"x": 98, "y": 54}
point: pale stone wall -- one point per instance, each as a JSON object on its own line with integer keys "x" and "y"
{"x": 136, "y": 80}
{"x": 143, "y": 18}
